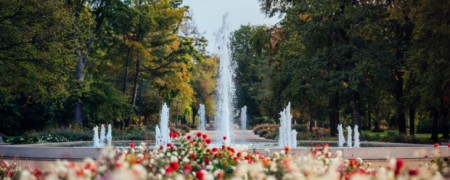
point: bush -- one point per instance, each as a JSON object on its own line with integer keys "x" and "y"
{"x": 425, "y": 126}
{"x": 269, "y": 131}
{"x": 300, "y": 127}
{"x": 184, "y": 128}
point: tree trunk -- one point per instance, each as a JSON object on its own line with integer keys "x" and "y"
{"x": 333, "y": 106}
{"x": 444, "y": 122}
{"x": 435, "y": 130}
{"x": 400, "y": 108}
{"x": 311, "y": 121}
{"x": 127, "y": 61}
{"x": 81, "y": 64}
{"x": 135, "y": 86}
{"x": 356, "y": 115}
{"x": 369, "y": 118}
{"x": 376, "y": 122}
{"x": 412, "y": 118}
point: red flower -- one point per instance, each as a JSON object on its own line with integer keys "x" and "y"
{"x": 193, "y": 156}
{"x": 239, "y": 154}
{"x": 161, "y": 147}
{"x": 413, "y": 172}
{"x": 287, "y": 149}
{"x": 398, "y": 166}
{"x": 200, "y": 175}
{"x": 169, "y": 145}
{"x": 206, "y": 160}
{"x": 199, "y": 134}
{"x": 205, "y": 136}
{"x": 436, "y": 145}
{"x": 37, "y": 173}
{"x": 187, "y": 168}
{"x": 174, "y": 165}
{"x": 448, "y": 145}
{"x": 214, "y": 150}
{"x": 352, "y": 163}
{"x": 80, "y": 173}
{"x": 188, "y": 137}
{"x": 224, "y": 138}
{"x": 131, "y": 144}
{"x": 208, "y": 141}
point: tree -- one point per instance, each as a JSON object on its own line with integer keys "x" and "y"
{"x": 429, "y": 60}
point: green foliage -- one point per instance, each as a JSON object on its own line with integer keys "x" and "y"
{"x": 98, "y": 55}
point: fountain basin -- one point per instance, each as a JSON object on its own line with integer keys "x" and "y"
{"x": 67, "y": 150}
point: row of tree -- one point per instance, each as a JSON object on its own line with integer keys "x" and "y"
{"x": 98, "y": 61}
{"x": 355, "y": 61}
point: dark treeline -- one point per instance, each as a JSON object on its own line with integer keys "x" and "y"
{"x": 375, "y": 64}
{"x": 100, "y": 61}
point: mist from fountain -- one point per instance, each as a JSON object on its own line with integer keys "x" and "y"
{"x": 162, "y": 136}
{"x": 244, "y": 118}
{"x": 109, "y": 136}
{"x": 341, "y": 138}
{"x": 96, "y": 139}
{"x": 202, "y": 118}
{"x": 356, "y": 137}
{"x": 225, "y": 85}
{"x": 158, "y": 138}
{"x": 287, "y": 136}
{"x": 102, "y": 136}
{"x": 349, "y": 136}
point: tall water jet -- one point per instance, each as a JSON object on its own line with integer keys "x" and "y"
{"x": 244, "y": 118}
{"x": 96, "y": 139}
{"x": 202, "y": 117}
{"x": 356, "y": 137}
{"x": 341, "y": 138}
{"x": 162, "y": 136}
{"x": 102, "y": 136}
{"x": 287, "y": 136}
{"x": 225, "y": 84}
{"x": 109, "y": 136}
{"x": 349, "y": 136}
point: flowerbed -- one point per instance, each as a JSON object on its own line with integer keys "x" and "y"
{"x": 190, "y": 157}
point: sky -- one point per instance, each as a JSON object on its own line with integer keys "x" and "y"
{"x": 207, "y": 15}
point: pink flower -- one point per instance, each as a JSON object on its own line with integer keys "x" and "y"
{"x": 224, "y": 138}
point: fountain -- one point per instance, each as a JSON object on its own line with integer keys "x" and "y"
{"x": 102, "y": 136}
{"x": 349, "y": 136}
{"x": 96, "y": 139}
{"x": 356, "y": 137}
{"x": 287, "y": 136}
{"x": 201, "y": 114}
{"x": 109, "y": 136}
{"x": 225, "y": 85}
{"x": 162, "y": 132}
{"x": 244, "y": 118}
{"x": 341, "y": 137}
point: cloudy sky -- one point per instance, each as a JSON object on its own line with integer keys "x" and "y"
{"x": 208, "y": 16}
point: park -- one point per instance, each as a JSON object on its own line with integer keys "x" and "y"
{"x": 213, "y": 89}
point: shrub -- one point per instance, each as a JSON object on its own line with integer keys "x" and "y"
{"x": 425, "y": 126}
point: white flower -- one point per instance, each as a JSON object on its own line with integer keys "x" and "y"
{"x": 140, "y": 171}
